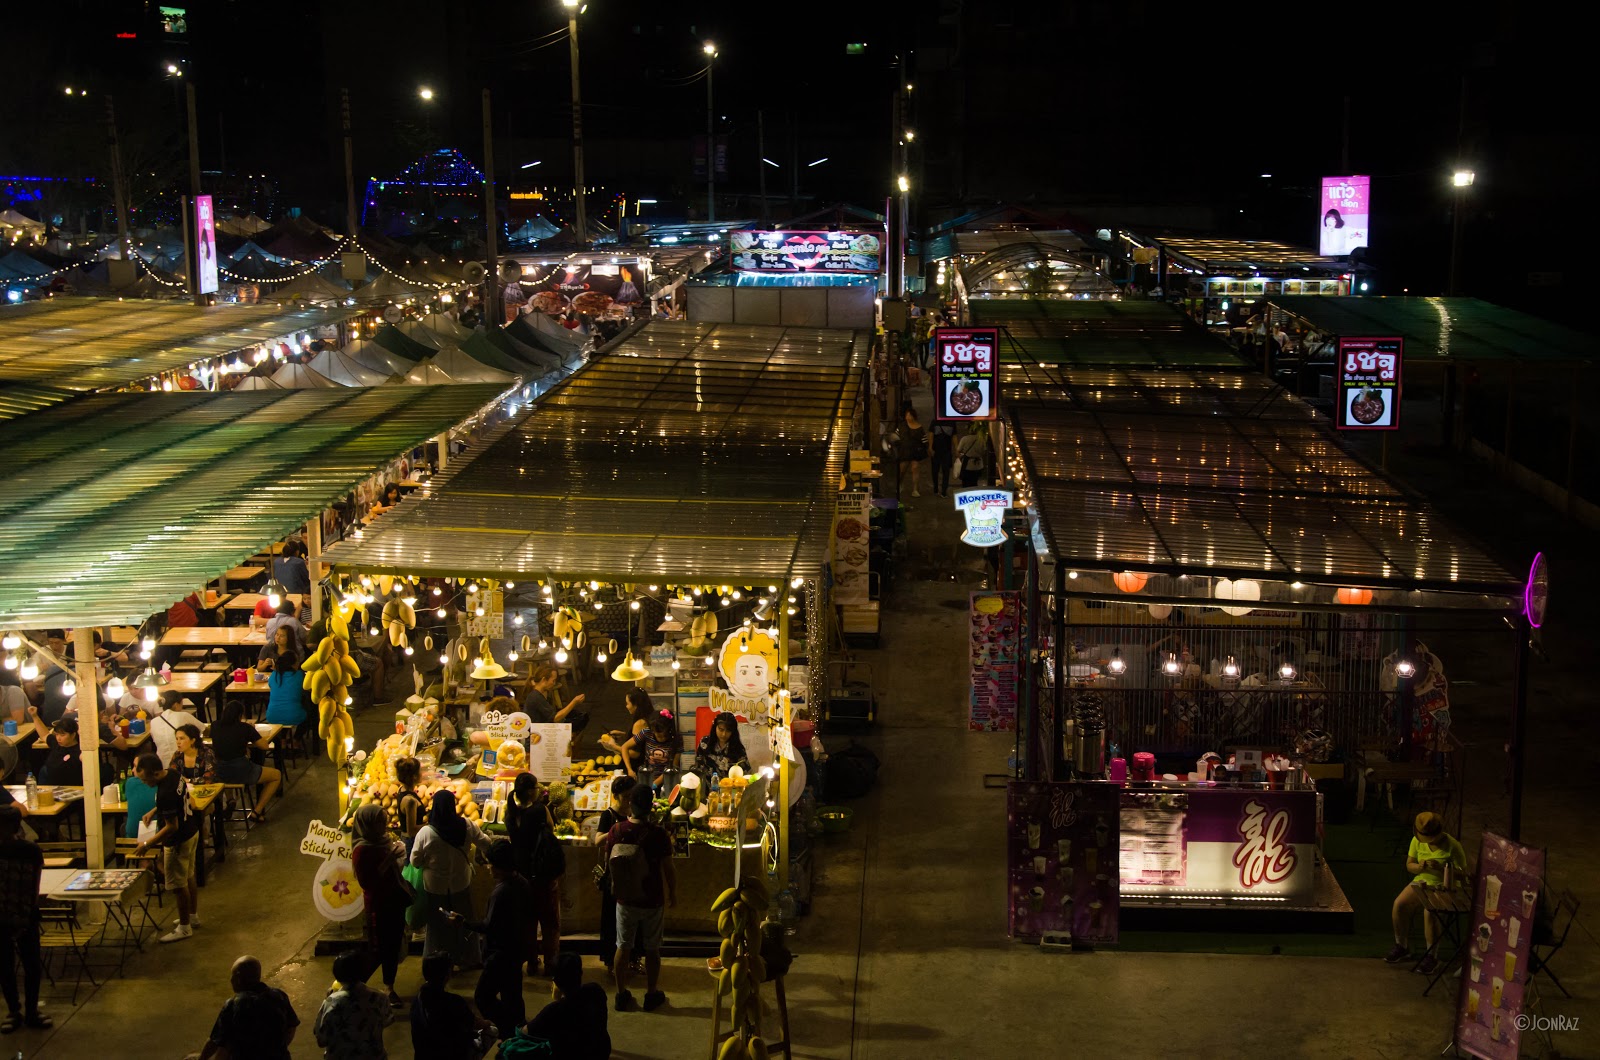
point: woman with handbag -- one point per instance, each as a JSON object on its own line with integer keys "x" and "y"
{"x": 615, "y": 814}
{"x": 913, "y": 448}
{"x": 541, "y": 860}
{"x": 971, "y": 452}
{"x": 443, "y": 851}
{"x": 376, "y": 859}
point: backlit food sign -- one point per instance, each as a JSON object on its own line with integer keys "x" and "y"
{"x": 1369, "y": 384}
{"x": 984, "y": 511}
{"x": 806, "y": 252}
{"x": 205, "y": 239}
{"x": 965, "y": 368}
{"x": 1346, "y": 206}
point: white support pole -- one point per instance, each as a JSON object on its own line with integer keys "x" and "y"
{"x": 314, "y": 565}
{"x": 786, "y": 713}
{"x": 443, "y": 442}
{"x": 89, "y": 738}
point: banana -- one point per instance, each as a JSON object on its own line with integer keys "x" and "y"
{"x": 729, "y": 953}
{"x": 732, "y": 1049}
{"x": 756, "y": 1049}
{"x": 758, "y": 968}
{"x": 725, "y": 900}
{"x": 754, "y": 894}
{"x": 741, "y": 917}
{"x": 725, "y": 926}
{"x": 725, "y": 981}
{"x": 741, "y": 997}
{"x": 351, "y": 670}
{"x": 319, "y": 685}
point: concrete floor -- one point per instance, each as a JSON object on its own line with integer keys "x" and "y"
{"x": 905, "y": 953}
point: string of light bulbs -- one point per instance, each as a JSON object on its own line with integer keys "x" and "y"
{"x": 308, "y": 270}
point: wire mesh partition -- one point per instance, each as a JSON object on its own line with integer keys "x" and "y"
{"x": 1200, "y": 680}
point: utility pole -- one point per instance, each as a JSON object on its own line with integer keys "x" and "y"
{"x": 191, "y": 221}
{"x": 349, "y": 167}
{"x": 580, "y": 214}
{"x": 119, "y": 187}
{"x": 761, "y": 164}
{"x": 491, "y": 294}
{"x": 711, "y": 140}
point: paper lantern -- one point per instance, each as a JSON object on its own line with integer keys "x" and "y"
{"x": 1239, "y": 590}
{"x": 1354, "y": 597}
{"x": 1130, "y": 581}
{"x": 1160, "y": 612}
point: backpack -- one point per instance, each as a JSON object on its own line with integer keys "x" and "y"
{"x": 629, "y": 868}
{"x": 549, "y": 860}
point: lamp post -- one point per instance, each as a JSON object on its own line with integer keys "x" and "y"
{"x": 426, "y": 94}
{"x": 580, "y": 213}
{"x": 1461, "y": 181}
{"x": 903, "y": 182}
{"x": 711, "y": 141}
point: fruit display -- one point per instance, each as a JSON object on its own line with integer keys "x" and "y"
{"x": 592, "y": 768}
{"x": 739, "y": 911}
{"x": 330, "y": 673}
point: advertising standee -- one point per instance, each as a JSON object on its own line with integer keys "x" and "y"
{"x": 966, "y": 368}
{"x": 1491, "y": 1002}
{"x": 1369, "y": 383}
{"x": 1344, "y": 212}
{"x": 205, "y": 240}
{"x": 806, "y": 252}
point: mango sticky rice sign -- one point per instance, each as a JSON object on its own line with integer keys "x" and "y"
{"x": 984, "y": 511}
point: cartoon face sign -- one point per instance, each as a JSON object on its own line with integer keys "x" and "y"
{"x": 749, "y": 663}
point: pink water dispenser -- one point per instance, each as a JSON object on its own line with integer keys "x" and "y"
{"x": 1144, "y": 766}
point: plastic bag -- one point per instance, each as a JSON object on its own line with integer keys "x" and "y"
{"x": 417, "y": 911}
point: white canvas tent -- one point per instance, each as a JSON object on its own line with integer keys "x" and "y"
{"x": 300, "y": 377}
{"x": 258, "y": 382}
{"x": 456, "y": 366}
{"x": 371, "y": 355}
{"x": 346, "y": 370}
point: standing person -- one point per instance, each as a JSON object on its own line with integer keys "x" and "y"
{"x": 179, "y": 836}
{"x": 291, "y": 571}
{"x": 231, "y": 740}
{"x": 376, "y": 859}
{"x": 944, "y": 457}
{"x": 539, "y": 707}
{"x": 21, "y": 864}
{"x": 610, "y": 817}
{"x": 1433, "y": 854}
{"x": 542, "y": 863}
{"x": 575, "y": 1022}
{"x": 971, "y": 452}
{"x": 443, "y": 1025}
{"x": 256, "y": 1023}
{"x": 913, "y": 447}
{"x": 352, "y": 1018}
{"x": 639, "y": 861}
{"x": 505, "y": 935}
{"x": 657, "y": 749}
{"x": 443, "y": 851}
{"x": 639, "y": 710}
{"x": 408, "y": 773}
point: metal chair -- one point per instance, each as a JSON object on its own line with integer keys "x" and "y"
{"x": 1552, "y": 939}
{"x": 60, "y": 932}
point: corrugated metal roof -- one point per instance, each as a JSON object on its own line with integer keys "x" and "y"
{"x": 1172, "y": 472}
{"x": 22, "y": 398}
{"x": 96, "y": 343}
{"x": 118, "y": 504}
{"x": 1445, "y": 328}
{"x": 1078, "y": 332}
{"x": 689, "y": 452}
{"x": 1221, "y": 256}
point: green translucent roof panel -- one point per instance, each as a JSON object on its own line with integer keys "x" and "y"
{"x": 116, "y": 505}
{"x": 1083, "y": 332}
{"x": 1445, "y": 328}
{"x": 98, "y": 343}
{"x": 689, "y": 452}
{"x": 1243, "y": 256}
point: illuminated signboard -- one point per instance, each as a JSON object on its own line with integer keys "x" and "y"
{"x": 966, "y": 365}
{"x": 1369, "y": 384}
{"x": 807, "y": 252}
{"x": 1346, "y": 205}
{"x": 205, "y": 238}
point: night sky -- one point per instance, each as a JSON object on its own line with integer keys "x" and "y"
{"x": 1163, "y": 115}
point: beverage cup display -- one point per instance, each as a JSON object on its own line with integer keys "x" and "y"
{"x": 1102, "y": 834}
{"x": 1477, "y": 967}
{"x": 1494, "y": 1025}
{"x": 1485, "y": 937}
{"x": 1497, "y": 987}
{"x": 1036, "y": 899}
{"x": 1528, "y": 900}
{"x": 1491, "y": 896}
{"x": 1472, "y": 1004}
{"x": 1033, "y": 835}
{"x": 1513, "y": 932}
{"x": 1041, "y": 865}
{"x": 1091, "y": 860}
{"x": 1064, "y": 850}
{"x": 1095, "y": 911}
{"x": 1064, "y": 874}
{"x": 1511, "y": 967}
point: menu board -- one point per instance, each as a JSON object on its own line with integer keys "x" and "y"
{"x": 852, "y": 552}
{"x": 1151, "y": 840}
{"x": 995, "y": 625}
{"x": 756, "y": 251}
{"x": 1499, "y": 937}
{"x": 1369, "y": 384}
{"x": 547, "y": 749}
{"x": 1061, "y": 860}
{"x": 966, "y": 365}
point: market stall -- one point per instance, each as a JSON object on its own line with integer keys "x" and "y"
{"x": 662, "y": 517}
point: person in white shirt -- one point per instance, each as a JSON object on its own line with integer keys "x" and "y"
{"x": 164, "y": 723}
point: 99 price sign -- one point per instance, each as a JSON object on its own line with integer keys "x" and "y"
{"x": 1369, "y": 384}
{"x": 966, "y": 368}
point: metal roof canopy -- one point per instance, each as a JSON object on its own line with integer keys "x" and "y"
{"x": 96, "y": 343}
{"x": 1220, "y": 493}
{"x": 1216, "y": 257}
{"x": 690, "y": 452}
{"x": 119, "y": 504}
{"x": 1445, "y": 329}
{"x": 1078, "y": 332}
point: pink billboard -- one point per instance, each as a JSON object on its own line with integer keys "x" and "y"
{"x": 1346, "y": 204}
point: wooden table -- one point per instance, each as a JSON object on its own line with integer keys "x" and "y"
{"x": 25, "y": 735}
{"x": 267, "y": 742}
{"x": 245, "y": 572}
{"x": 1379, "y": 770}
{"x": 212, "y": 637}
{"x": 202, "y": 683}
{"x": 243, "y": 605}
{"x": 122, "y": 903}
{"x": 66, "y": 798}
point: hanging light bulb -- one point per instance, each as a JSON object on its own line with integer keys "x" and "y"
{"x": 366, "y": 581}
{"x": 1405, "y": 668}
{"x": 438, "y": 591}
{"x": 29, "y": 670}
{"x": 1117, "y": 664}
{"x": 600, "y": 656}
{"x": 440, "y": 613}
{"x": 583, "y": 594}
{"x": 744, "y": 643}
{"x": 594, "y": 585}
{"x": 11, "y": 642}
{"x": 566, "y": 642}
{"x": 598, "y": 606}
{"x": 796, "y": 582}
{"x": 560, "y": 656}
{"x": 772, "y": 589}
{"x": 710, "y": 661}
{"x": 793, "y": 598}
{"x": 1286, "y": 671}
{"x": 654, "y": 588}
{"x": 115, "y": 689}
{"x": 1171, "y": 666}
{"x": 543, "y": 644}
{"x": 511, "y": 585}
{"x": 444, "y": 660}
{"x": 69, "y": 687}
{"x": 372, "y": 631}
{"x": 409, "y": 649}
{"x": 148, "y": 644}
{"x": 789, "y": 610}
{"x": 676, "y": 665}
{"x": 633, "y": 605}
{"x": 11, "y": 662}
{"x": 472, "y": 587}
{"x": 516, "y": 620}
{"x": 151, "y": 694}
{"x": 735, "y": 594}
{"x": 478, "y": 611}
{"x": 726, "y": 601}
{"x": 1231, "y": 667}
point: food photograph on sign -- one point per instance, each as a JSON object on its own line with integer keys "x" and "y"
{"x": 966, "y": 363}
{"x": 1369, "y": 383}
{"x": 758, "y": 251}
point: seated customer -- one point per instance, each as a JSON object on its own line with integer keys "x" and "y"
{"x": 165, "y": 720}
{"x": 575, "y": 1022}
{"x": 193, "y": 760}
{"x": 1433, "y": 854}
{"x": 443, "y": 1025}
{"x": 285, "y": 703}
{"x": 286, "y": 617}
{"x": 231, "y": 741}
{"x": 281, "y": 638}
{"x": 63, "y": 758}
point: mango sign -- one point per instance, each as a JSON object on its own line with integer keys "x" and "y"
{"x": 325, "y": 841}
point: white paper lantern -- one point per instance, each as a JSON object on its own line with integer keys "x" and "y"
{"x": 1160, "y": 612}
{"x": 1239, "y": 590}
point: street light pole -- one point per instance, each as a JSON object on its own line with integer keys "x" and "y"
{"x": 580, "y": 213}
{"x": 1462, "y": 180}
{"x": 711, "y": 141}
